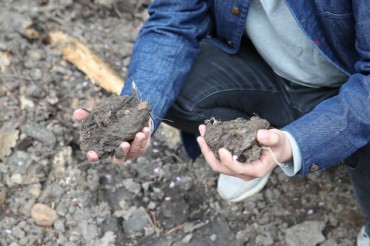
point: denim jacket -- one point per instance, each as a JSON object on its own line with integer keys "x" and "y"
{"x": 168, "y": 44}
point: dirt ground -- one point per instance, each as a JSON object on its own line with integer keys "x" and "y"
{"x": 50, "y": 194}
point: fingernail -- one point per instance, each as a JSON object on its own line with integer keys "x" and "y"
{"x": 91, "y": 155}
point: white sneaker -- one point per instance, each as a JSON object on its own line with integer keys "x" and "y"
{"x": 234, "y": 189}
{"x": 362, "y": 238}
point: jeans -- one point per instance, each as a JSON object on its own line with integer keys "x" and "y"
{"x": 230, "y": 86}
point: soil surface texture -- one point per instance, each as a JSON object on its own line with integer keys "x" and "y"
{"x": 115, "y": 120}
{"x": 51, "y": 195}
{"x": 238, "y": 136}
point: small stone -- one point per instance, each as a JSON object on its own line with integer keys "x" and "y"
{"x": 187, "y": 239}
{"x": 132, "y": 186}
{"x": 151, "y": 205}
{"x": 43, "y": 215}
{"x": 59, "y": 226}
{"x": 213, "y": 237}
{"x": 297, "y": 234}
{"x": 36, "y": 74}
{"x": 16, "y": 178}
{"x": 137, "y": 222}
{"x": 35, "y": 190}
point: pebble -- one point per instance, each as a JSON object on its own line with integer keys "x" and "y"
{"x": 40, "y": 133}
{"x": 16, "y": 178}
{"x": 137, "y": 222}
{"x": 152, "y": 205}
{"x": 43, "y": 215}
{"x": 132, "y": 186}
{"x": 187, "y": 238}
{"x": 35, "y": 190}
{"x": 213, "y": 237}
{"x": 59, "y": 226}
{"x": 297, "y": 234}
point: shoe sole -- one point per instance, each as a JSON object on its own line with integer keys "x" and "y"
{"x": 253, "y": 191}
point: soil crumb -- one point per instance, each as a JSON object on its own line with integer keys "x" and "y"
{"x": 238, "y": 136}
{"x": 115, "y": 120}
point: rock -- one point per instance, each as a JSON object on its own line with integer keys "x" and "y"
{"x": 308, "y": 233}
{"x": 59, "y": 226}
{"x": 39, "y": 133}
{"x": 35, "y": 190}
{"x": 8, "y": 139}
{"x": 187, "y": 239}
{"x": 43, "y": 215}
{"x": 16, "y": 178}
{"x": 108, "y": 239}
{"x": 132, "y": 186}
{"x": 138, "y": 221}
{"x": 213, "y": 237}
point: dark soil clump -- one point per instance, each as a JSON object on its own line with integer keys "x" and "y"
{"x": 115, "y": 120}
{"x": 238, "y": 136}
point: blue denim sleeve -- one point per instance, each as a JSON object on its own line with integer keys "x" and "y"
{"x": 165, "y": 51}
{"x": 340, "y": 125}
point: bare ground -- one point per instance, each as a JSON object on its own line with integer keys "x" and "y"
{"x": 159, "y": 199}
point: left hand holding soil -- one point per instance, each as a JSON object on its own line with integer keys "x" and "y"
{"x": 117, "y": 128}
{"x": 227, "y": 164}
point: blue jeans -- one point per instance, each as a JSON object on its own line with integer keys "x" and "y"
{"x": 242, "y": 85}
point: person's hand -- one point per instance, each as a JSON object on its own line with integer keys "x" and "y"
{"x": 276, "y": 148}
{"x": 135, "y": 149}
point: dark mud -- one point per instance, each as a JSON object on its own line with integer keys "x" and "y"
{"x": 115, "y": 120}
{"x": 238, "y": 136}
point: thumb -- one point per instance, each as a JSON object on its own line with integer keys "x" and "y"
{"x": 268, "y": 137}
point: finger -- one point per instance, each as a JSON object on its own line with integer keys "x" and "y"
{"x": 92, "y": 156}
{"x": 202, "y": 130}
{"x": 268, "y": 137}
{"x": 116, "y": 159}
{"x": 146, "y": 132}
{"x": 230, "y": 162}
{"x": 210, "y": 157}
{"x": 145, "y": 144}
{"x": 245, "y": 171}
{"x": 80, "y": 114}
{"x": 234, "y": 167}
{"x": 227, "y": 159}
{"x": 136, "y": 145}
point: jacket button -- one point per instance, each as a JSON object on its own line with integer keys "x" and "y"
{"x": 314, "y": 168}
{"x": 235, "y": 11}
{"x": 230, "y": 43}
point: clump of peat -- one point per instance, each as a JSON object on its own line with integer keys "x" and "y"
{"x": 238, "y": 136}
{"x": 115, "y": 120}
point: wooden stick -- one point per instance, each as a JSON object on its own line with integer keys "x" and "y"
{"x": 85, "y": 60}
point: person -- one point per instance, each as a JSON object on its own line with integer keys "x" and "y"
{"x": 304, "y": 66}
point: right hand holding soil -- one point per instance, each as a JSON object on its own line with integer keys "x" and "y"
{"x": 135, "y": 149}
{"x": 273, "y": 139}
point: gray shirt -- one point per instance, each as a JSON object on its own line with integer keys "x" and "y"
{"x": 282, "y": 44}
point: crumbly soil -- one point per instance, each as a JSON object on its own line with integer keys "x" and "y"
{"x": 162, "y": 198}
{"x": 116, "y": 119}
{"x": 238, "y": 136}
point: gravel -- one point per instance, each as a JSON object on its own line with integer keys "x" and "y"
{"x": 162, "y": 198}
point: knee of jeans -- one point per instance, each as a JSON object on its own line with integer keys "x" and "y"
{"x": 184, "y": 112}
